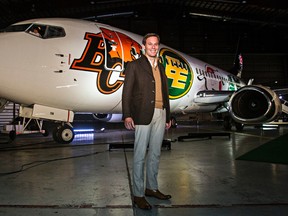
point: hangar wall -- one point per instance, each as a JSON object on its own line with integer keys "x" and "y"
{"x": 265, "y": 68}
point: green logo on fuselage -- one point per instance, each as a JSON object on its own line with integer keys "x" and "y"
{"x": 178, "y": 72}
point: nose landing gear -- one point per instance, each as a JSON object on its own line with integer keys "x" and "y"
{"x": 63, "y": 134}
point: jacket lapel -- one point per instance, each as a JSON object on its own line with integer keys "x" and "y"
{"x": 145, "y": 64}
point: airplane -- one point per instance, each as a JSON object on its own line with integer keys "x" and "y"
{"x": 72, "y": 66}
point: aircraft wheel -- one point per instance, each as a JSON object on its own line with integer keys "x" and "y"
{"x": 46, "y": 133}
{"x": 64, "y": 134}
{"x": 12, "y": 134}
{"x": 239, "y": 126}
{"x": 55, "y": 134}
{"x": 173, "y": 122}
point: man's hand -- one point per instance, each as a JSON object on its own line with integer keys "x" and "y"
{"x": 129, "y": 123}
{"x": 168, "y": 125}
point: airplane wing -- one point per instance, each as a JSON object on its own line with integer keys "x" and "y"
{"x": 283, "y": 98}
{"x": 212, "y": 97}
{"x": 282, "y": 91}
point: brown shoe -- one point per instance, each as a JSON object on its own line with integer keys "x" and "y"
{"x": 141, "y": 203}
{"x": 157, "y": 194}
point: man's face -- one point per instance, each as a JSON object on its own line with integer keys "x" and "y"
{"x": 151, "y": 47}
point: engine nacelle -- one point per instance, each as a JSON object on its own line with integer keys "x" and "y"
{"x": 254, "y": 104}
{"x": 108, "y": 117}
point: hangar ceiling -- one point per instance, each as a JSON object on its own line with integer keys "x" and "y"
{"x": 212, "y": 25}
{"x": 262, "y": 12}
{"x": 195, "y": 19}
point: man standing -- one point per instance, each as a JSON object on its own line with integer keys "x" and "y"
{"x": 145, "y": 106}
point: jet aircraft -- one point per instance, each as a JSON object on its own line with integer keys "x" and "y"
{"x": 56, "y": 67}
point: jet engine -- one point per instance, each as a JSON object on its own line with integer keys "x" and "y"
{"x": 108, "y": 117}
{"x": 254, "y": 104}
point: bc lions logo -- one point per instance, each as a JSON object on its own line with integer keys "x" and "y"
{"x": 105, "y": 54}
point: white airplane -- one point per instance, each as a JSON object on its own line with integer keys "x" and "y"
{"x": 57, "y": 67}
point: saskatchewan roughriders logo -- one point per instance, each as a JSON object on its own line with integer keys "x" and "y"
{"x": 178, "y": 72}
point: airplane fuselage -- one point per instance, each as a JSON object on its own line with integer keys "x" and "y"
{"x": 81, "y": 68}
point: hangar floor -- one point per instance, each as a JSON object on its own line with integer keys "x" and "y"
{"x": 40, "y": 177}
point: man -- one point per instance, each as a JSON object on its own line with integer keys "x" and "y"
{"x": 145, "y": 103}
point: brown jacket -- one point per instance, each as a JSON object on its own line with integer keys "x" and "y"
{"x": 138, "y": 98}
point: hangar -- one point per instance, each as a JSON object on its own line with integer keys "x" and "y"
{"x": 205, "y": 175}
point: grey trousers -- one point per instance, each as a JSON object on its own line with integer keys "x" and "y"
{"x": 151, "y": 134}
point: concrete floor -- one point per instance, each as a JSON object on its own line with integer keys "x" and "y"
{"x": 40, "y": 177}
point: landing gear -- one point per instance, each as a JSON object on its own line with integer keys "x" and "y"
{"x": 239, "y": 126}
{"x": 228, "y": 122}
{"x": 173, "y": 122}
{"x": 63, "y": 134}
{"x": 12, "y": 134}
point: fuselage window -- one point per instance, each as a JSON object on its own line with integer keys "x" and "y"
{"x": 16, "y": 28}
{"x": 55, "y": 31}
{"x": 46, "y": 32}
{"x": 37, "y": 30}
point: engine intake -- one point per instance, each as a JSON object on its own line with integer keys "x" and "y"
{"x": 254, "y": 104}
{"x": 108, "y": 117}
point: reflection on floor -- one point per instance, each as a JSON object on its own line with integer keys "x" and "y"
{"x": 41, "y": 177}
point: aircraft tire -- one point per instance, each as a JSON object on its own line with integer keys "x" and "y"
{"x": 46, "y": 133}
{"x": 55, "y": 134}
{"x": 239, "y": 126}
{"x": 12, "y": 134}
{"x": 173, "y": 122}
{"x": 65, "y": 134}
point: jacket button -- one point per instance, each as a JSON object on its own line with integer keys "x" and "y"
{"x": 153, "y": 81}
{"x": 152, "y": 102}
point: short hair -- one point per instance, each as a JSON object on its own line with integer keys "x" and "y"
{"x": 150, "y": 35}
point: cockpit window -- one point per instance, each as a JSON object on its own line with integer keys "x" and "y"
{"x": 55, "y": 31}
{"x": 16, "y": 28}
{"x": 39, "y": 30}
{"x": 45, "y": 31}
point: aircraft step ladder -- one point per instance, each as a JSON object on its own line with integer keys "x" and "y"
{"x": 7, "y": 114}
